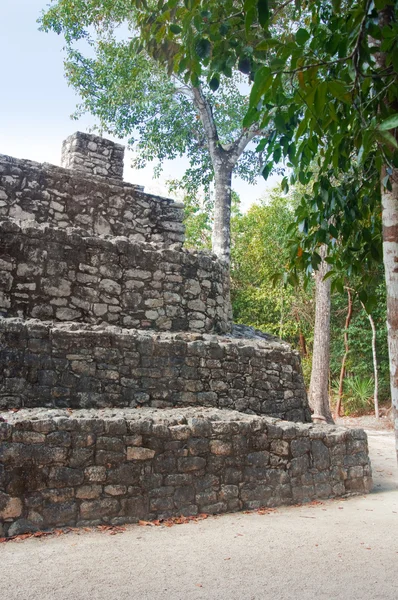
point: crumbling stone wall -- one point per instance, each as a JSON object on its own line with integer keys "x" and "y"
{"x": 51, "y": 274}
{"x": 93, "y": 155}
{"x": 115, "y": 467}
{"x": 31, "y": 191}
{"x": 77, "y": 366}
{"x": 104, "y": 373}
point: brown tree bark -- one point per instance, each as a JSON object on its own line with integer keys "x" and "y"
{"x": 302, "y": 344}
{"x": 346, "y": 350}
{"x": 319, "y": 385}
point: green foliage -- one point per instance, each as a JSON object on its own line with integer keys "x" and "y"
{"x": 359, "y": 394}
{"x": 134, "y": 95}
{"x": 260, "y": 250}
{"x": 360, "y": 360}
{"x": 326, "y": 86}
{"x": 198, "y": 211}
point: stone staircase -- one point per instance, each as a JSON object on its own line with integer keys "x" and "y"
{"x": 125, "y": 390}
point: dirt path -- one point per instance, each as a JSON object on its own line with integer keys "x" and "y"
{"x": 338, "y": 549}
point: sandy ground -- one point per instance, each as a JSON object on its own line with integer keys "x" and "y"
{"x": 338, "y": 549}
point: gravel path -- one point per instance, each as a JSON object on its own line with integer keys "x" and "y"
{"x": 336, "y": 549}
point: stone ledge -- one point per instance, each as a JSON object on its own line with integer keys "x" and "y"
{"x": 63, "y": 468}
{"x": 82, "y": 366}
{"x": 51, "y": 273}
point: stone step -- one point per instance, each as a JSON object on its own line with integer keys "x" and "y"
{"x": 50, "y": 273}
{"x": 31, "y": 191}
{"x": 66, "y": 468}
{"x": 79, "y": 366}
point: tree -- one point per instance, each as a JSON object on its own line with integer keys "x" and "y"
{"x": 346, "y": 351}
{"x": 260, "y": 251}
{"x": 318, "y": 395}
{"x": 331, "y": 91}
{"x": 133, "y": 95}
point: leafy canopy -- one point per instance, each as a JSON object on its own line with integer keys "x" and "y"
{"x": 135, "y": 96}
{"x": 325, "y": 83}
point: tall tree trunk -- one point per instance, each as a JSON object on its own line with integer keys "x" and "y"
{"x": 375, "y": 369}
{"x": 224, "y": 158}
{"x": 221, "y": 239}
{"x": 346, "y": 350}
{"x": 319, "y": 385}
{"x": 389, "y": 201}
{"x": 390, "y": 253}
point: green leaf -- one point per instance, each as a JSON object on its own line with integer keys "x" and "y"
{"x": 214, "y": 83}
{"x": 333, "y": 231}
{"x": 277, "y": 154}
{"x": 262, "y": 82}
{"x": 244, "y": 65}
{"x": 390, "y": 123}
{"x": 250, "y": 19}
{"x": 338, "y": 286}
{"x": 203, "y": 48}
{"x": 250, "y": 117}
{"x": 302, "y": 36}
{"x": 176, "y": 29}
{"x": 263, "y": 12}
{"x": 320, "y": 97}
{"x": 329, "y": 274}
{"x": 386, "y": 136}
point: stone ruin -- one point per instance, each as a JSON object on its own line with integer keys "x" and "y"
{"x": 126, "y": 392}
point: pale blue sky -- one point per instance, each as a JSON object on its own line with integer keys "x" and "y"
{"x": 36, "y": 102}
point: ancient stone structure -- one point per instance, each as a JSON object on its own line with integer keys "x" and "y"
{"x": 91, "y": 154}
{"x": 125, "y": 390}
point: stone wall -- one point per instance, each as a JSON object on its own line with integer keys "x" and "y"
{"x": 31, "y": 191}
{"x": 80, "y": 366}
{"x": 115, "y": 403}
{"x": 93, "y": 155}
{"x": 52, "y": 274}
{"x": 60, "y": 469}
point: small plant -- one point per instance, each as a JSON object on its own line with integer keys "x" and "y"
{"x": 359, "y": 394}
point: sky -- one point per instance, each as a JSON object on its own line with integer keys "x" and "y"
{"x": 36, "y": 101}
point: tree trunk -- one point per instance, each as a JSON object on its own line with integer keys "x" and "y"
{"x": 346, "y": 350}
{"x": 390, "y": 253}
{"x": 221, "y": 239}
{"x": 319, "y": 385}
{"x": 302, "y": 344}
{"x": 375, "y": 369}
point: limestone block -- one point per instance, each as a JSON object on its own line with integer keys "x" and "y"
{"x": 138, "y": 453}
{"x": 10, "y": 508}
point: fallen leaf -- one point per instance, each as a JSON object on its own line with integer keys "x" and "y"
{"x": 265, "y": 511}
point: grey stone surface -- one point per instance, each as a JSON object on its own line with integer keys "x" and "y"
{"x": 48, "y": 273}
{"x": 93, "y": 155}
{"x": 43, "y": 193}
{"x": 167, "y": 462}
{"x": 78, "y": 366}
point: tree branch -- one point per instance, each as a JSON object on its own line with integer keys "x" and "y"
{"x": 237, "y": 148}
{"x": 206, "y": 115}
